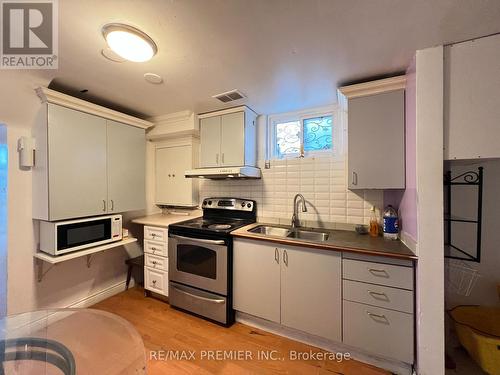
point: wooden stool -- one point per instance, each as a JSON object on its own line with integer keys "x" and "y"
{"x": 131, "y": 263}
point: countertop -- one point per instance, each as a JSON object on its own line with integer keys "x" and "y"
{"x": 164, "y": 220}
{"x": 339, "y": 240}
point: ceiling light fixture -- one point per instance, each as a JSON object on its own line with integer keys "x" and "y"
{"x": 128, "y": 42}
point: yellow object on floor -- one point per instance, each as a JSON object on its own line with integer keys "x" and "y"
{"x": 478, "y": 329}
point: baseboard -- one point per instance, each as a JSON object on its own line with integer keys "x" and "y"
{"x": 27, "y": 323}
{"x": 100, "y": 295}
{"x": 334, "y": 347}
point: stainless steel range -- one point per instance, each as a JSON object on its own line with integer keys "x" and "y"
{"x": 200, "y": 258}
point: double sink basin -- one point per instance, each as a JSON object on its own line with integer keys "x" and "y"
{"x": 291, "y": 233}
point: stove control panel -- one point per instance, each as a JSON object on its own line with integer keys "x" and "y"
{"x": 228, "y": 204}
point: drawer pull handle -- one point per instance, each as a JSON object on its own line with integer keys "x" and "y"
{"x": 378, "y": 318}
{"x": 285, "y": 257}
{"x": 378, "y": 272}
{"x": 276, "y": 255}
{"x": 211, "y": 300}
{"x": 155, "y": 262}
{"x": 379, "y": 296}
{"x": 154, "y": 282}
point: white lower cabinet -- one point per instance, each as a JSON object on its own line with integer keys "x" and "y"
{"x": 378, "y": 312}
{"x": 365, "y": 304}
{"x": 380, "y": 331}
{"x": 156, "y": 260}
{"x": 156, "y": 281}
{"x": 298, "y": 288}
{"x": 311, "y": 291}
{"x": 256, "y": 279}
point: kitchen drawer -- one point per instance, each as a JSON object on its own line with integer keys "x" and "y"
{"x": 156, "y": 234}
{"x": 379, "y": 331}
{"x": 378, "y": 273}
{"x": 156, "y": 262}
{"x": 156, "y": 248}
{"x": 156, "y": 281}
{"x": 381, "y": 296}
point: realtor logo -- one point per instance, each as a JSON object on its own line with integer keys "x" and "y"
{"x": 29, "y": 34}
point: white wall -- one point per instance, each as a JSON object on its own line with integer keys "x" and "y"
{"x": 322, "y": 181}
{"x": 3, "y": 221}
{"x": 430, "y": 265}
{"x": 71, "y": 281}
{"x": 464, "y": 204}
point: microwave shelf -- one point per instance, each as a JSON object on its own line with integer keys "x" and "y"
{"x": 42, "y": 257}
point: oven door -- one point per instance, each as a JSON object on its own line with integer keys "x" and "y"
{"x": 201, "y": 263}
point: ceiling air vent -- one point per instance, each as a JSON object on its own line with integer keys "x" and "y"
{"x": 229, "y": 96}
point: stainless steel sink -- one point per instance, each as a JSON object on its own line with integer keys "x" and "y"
{"x": 308, "y": 235}
{"x": 270, "y": 231}
{"x": 298, "y": 234}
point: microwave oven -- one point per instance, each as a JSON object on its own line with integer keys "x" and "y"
{"x": 60, "y": 237}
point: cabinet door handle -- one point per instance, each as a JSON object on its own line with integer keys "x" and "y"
{"x": 285, "y": 257}
{"x": 216, "y": 158}
{"x": 222, "y": 158}
{"x": 104, "y": 205}
{"x": 354, "y": 178}
{"x": 112, "y": 205}
{"x": 276, "y": 255}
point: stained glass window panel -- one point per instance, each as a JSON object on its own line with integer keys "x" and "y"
{"x": 287, "y": 138}
{"x": 318, "y": 133}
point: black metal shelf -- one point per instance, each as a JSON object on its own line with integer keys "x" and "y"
{"x": 470, "y": 178}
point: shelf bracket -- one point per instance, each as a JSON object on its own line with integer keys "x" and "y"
{"x": 40, "y": 272}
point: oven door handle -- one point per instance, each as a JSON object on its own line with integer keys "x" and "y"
{"x": 215, "y": 242}
{"x": 217, "y": 301}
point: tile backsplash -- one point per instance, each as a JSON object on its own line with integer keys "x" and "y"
{"x": 323, "y": 182}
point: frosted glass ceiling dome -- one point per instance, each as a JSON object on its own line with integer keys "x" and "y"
{"x": 129, "y": 42}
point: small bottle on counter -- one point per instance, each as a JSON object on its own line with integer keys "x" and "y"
{"x": 391, "y": 223}
{"x": 374, "y": 228}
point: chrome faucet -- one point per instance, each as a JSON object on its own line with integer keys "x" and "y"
{"x": 295, "y": 216}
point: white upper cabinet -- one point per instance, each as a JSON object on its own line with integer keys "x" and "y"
{"x": 77, "y": 164}
{"x": 126, "y": 166}
{"x": 86, "y": 165}
{"x": 172, "y": 187}
{"x": 376, "y": 134}
{"x": 228, "y": 138}
{"x": 471, "y": 100}
{"x": 210, "y": 135}
{"x": 232, "y": 144}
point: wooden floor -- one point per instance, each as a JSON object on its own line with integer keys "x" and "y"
{"x": 168, "y": 330}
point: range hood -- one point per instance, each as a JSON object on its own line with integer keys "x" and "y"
{"x": 224, "y": 173}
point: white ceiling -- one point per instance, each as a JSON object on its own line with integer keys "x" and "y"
{"x": 283, "y": 54}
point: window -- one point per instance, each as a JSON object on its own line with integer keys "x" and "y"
{"x": 300, "y": 134}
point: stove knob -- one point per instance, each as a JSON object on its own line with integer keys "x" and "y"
{"x": 209, "y": 203}
{"x": 204, "y": 203}
{"x": 249, "y": 205}
{"x": 242, "y": 204}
